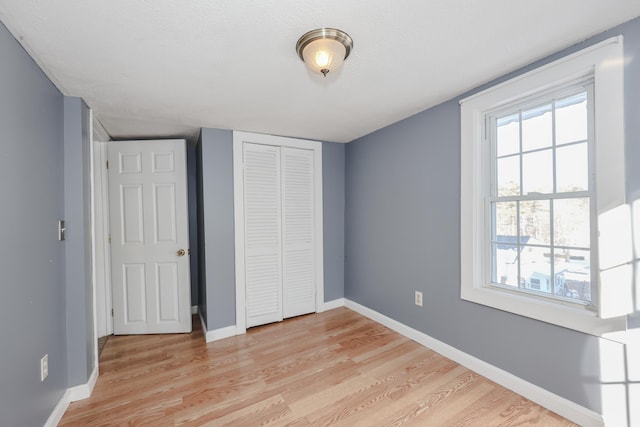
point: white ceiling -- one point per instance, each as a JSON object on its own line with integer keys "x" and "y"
{"x": 159, "y": 68}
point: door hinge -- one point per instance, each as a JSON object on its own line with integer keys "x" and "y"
{"x": 112, "y": 312}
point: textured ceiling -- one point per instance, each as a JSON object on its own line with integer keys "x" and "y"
{"x": 159, "y": 68}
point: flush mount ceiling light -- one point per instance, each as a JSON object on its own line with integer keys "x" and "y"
{"x": 324, "y": 50}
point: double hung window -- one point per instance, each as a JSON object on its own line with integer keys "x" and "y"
{"x": 540, "y": 204}
{"x": 544, "y": 222}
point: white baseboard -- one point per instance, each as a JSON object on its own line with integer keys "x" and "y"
{"x": 194, "y": 309}
{"x": 558, "y": 404}
{"x": 330, "y": 305}
{"x": 59, "y": 410}
{"x": 72, "y": 394}
{"x": 222, "y": 333}
{"x": 84, "y": 391}
{"x": 217, "y": 334}
{"x": 230, "y": 331}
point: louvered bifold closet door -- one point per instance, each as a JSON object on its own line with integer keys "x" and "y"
{"x": 298, "y": 231}
{"x": 263, "y": 237}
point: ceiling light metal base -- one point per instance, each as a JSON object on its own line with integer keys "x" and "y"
{"x": 324, "y": 33}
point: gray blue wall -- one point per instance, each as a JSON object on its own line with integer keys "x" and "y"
{"x": 46, "y": 296}
{"x": 216, "y": 225}
{"x": 77, "y": 201}
{"x": 403, "y": 234}
{"x": 217, "y": 241}
{"x": 32, "y": 288}
{"x": 333, "y": 156}
{"x": 200, "y": 238}
{"x": 193, "y": 218}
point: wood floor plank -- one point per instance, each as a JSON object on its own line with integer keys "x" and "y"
{"x": 328, "y": 369}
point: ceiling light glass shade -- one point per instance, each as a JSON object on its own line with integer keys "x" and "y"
{"x": 324, "y": 50}
{"x": 324, "y": 55}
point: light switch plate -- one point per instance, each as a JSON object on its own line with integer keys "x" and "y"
{"x": 61, "y": 230}
{"x": 44, "y": 367}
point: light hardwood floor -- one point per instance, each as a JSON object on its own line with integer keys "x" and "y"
{"x": 333, "y": 368}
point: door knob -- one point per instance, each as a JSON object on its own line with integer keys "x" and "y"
{"x": 181, "y": 252}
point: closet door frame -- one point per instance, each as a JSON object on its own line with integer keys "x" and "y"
{"x": 239, "y": 138}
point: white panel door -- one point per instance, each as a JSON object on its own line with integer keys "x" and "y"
{"x": 149, "y": 237}
{"x": 263, "y": 236}
{"x": 298, "y": 284}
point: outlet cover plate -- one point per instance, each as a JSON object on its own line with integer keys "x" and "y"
{"x": 418, "y": 298}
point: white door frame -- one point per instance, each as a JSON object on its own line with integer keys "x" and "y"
{"x": 100, "y": 211}
{"x": 101, "y": 241}
{"x": 93, "y": 127}
{"x": 238, "y": 192}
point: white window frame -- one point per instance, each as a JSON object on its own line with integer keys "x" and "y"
{"x": 604, "y": 63}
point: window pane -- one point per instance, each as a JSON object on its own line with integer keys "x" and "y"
{"x": 574, "y": 269}
{"x": 505, "y": 264}
{"x": 508, "y": 138}
{"x": 535, "y": 222}
{"x": 572, "y": 168}
{"x": 571, "y": 222}
{"x": 537, "y": 172}
{"x": 571, "y": 119}
{"x": 508, "y": 176}
{"x": 506, "y": 221}
{"x": 537, "y": 128}
{"x": 540, "y": 243}
{"x": 535, "y": 269}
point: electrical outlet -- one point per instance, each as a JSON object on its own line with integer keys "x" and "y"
{"x": 419, "y": 298}
{"x": 44, "y": 367}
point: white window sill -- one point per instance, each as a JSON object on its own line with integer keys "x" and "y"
{"x": 567, "y": 315}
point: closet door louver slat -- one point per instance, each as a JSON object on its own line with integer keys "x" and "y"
{"x": 263, "y": 235}
{"x": 298, "y": 232}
